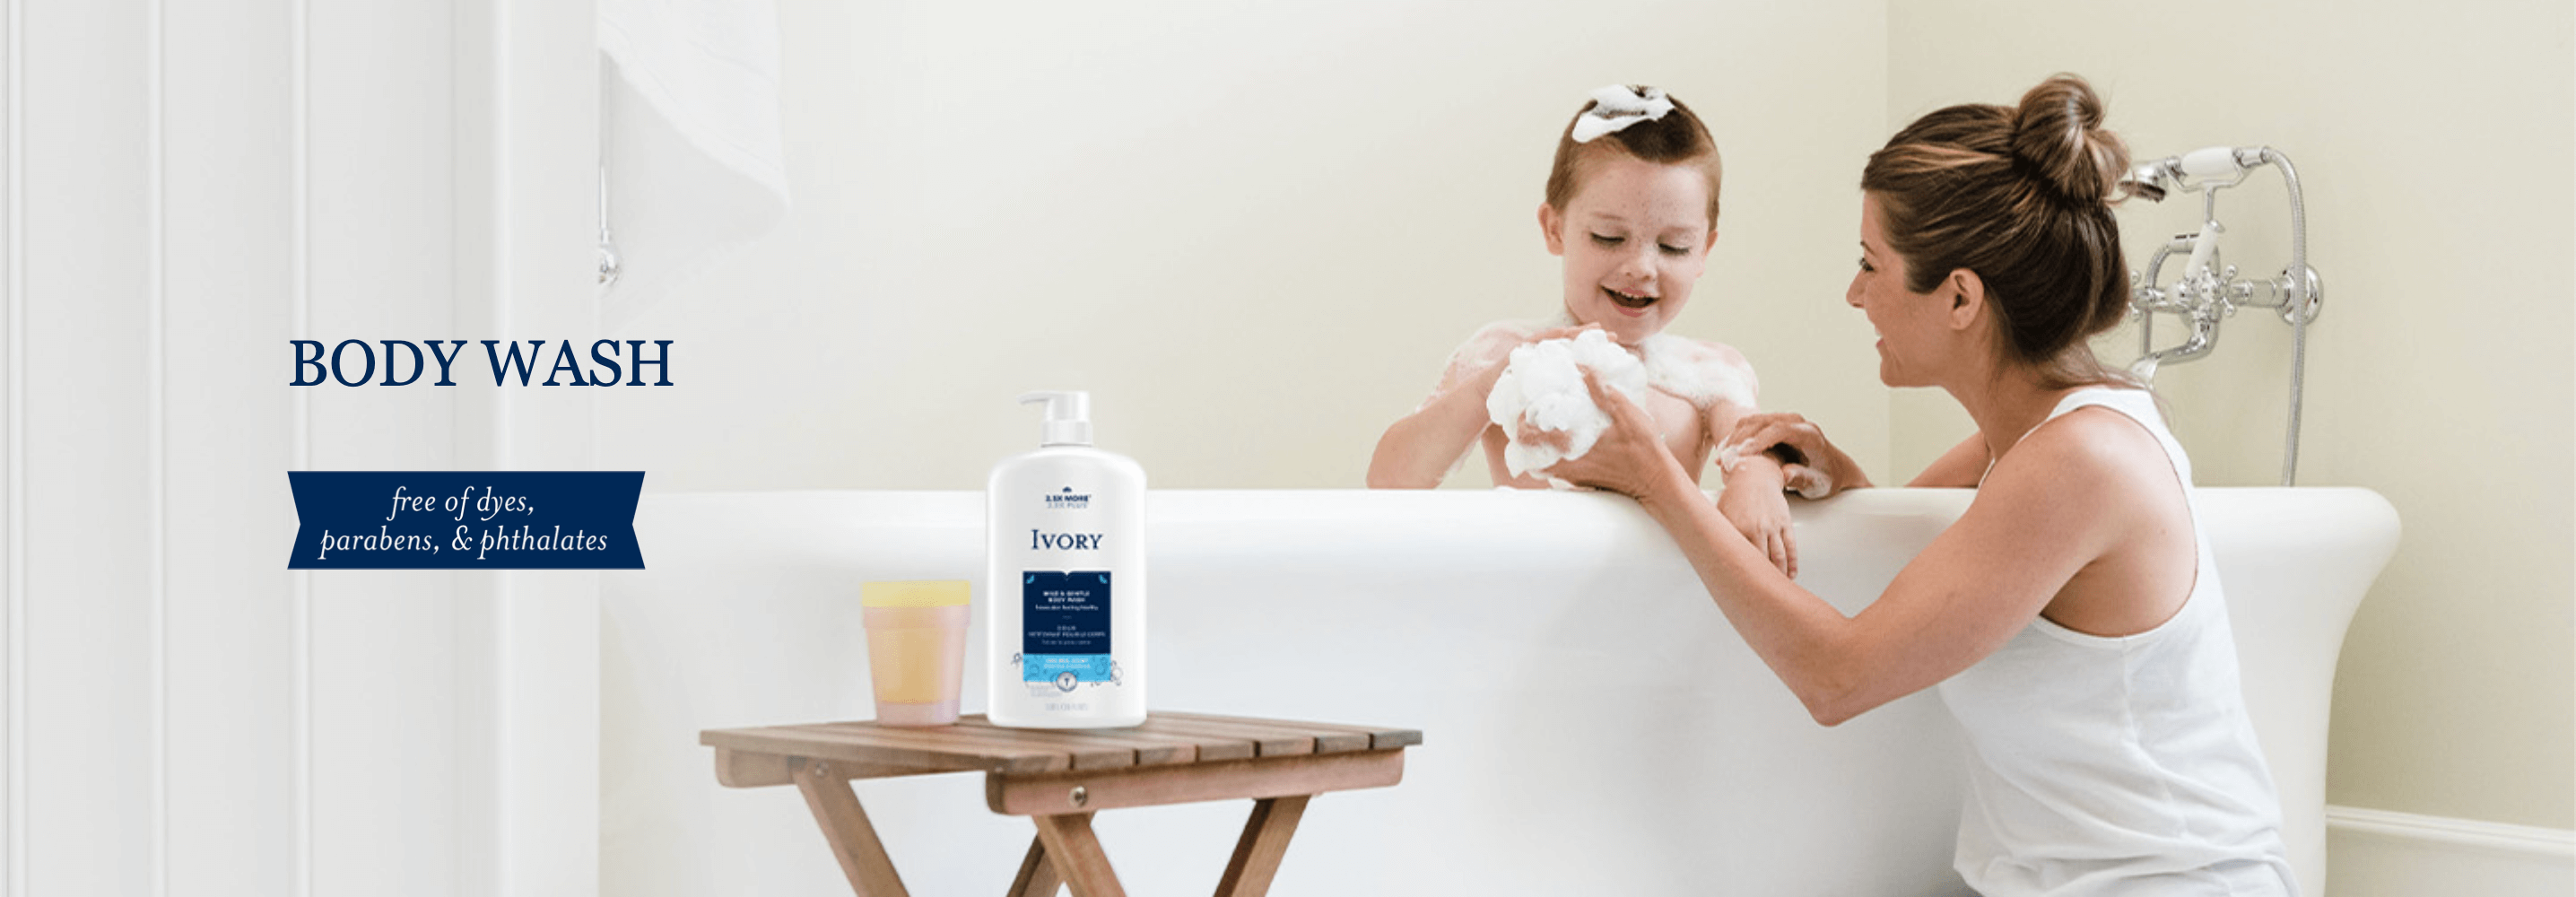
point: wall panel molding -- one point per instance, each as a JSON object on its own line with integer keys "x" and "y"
{"x": 2492, "y": 837}
{"x": 224, "y": 415}
{"x": 190, "y": 186}
{"x": 86, "y": 496}
{"x": 385, "y": 671}
{"x": 156, "y": 430}
{"x": 2381, "y": 853}
{"x": 17, "y": 483}
{"x": 527, "y": 168}
{"x": 300, "y": 447}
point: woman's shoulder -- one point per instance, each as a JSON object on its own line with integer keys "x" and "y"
{"x": 2095, "y": 450}
{"x": 1702, "y": 371}
{"x": 2070, "y": 492}
{"x": 2089, "y": 433}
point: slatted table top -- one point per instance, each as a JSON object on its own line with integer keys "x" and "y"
{"x": 974, "y": 743}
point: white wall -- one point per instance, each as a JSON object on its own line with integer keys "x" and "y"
{"x": 190, "y": 186}
{"x": 2434, "y": 145}
{"x": 1253, "y": 231}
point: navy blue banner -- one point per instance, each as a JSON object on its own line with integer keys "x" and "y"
{"x": 466, "y": 520}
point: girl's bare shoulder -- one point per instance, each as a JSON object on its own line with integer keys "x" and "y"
{"x": 1703, "y": 371}
{"x": 1490, "y": 345}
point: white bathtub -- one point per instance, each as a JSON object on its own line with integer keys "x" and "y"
{"x": 1591, "y": 724}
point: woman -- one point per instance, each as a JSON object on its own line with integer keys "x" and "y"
{"x": 2071, "y": 618}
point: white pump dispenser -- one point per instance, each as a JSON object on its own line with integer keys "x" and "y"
{"x": 1065, "y": 589}
{"x": 1068, "y": 417}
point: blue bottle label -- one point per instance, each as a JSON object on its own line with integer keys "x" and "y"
{"x": 1064, "y": 627}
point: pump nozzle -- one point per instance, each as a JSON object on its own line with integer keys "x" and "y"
{"x": 1068, "y": 416}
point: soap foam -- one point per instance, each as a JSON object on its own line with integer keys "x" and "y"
{"x": 1543, "y": 386}
{"x": 1695, "y": 371}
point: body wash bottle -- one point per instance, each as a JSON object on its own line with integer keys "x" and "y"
{"x": 1064, "y": 535}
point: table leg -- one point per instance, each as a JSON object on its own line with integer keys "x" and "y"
{"x": 1265, "y": 840}
{"x": 1037, "y": 873}
{"x": 1075, "y": 853}
{"x": 845, "y": 826}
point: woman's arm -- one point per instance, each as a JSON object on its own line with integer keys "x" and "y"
{"x": 2037, "y": 521}
{"x": 1958, "y": 468}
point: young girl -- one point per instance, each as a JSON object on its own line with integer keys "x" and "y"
{"x": 1632, "y": 209}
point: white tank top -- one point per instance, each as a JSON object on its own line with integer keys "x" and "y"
{"x": 2102, "y": 766}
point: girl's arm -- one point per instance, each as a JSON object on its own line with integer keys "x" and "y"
{"x": 2038, "y": 520}
{"x": 1417, "y": 450}
{"x": 1753, "y": 500}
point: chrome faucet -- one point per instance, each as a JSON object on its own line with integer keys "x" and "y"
{"x": 2210, "y": 291}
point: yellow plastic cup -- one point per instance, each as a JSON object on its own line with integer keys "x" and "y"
{"x": 916, "y": 649}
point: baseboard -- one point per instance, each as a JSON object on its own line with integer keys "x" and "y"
{"x": 2381, "y": 853}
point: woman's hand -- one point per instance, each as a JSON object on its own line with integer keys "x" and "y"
{"x": 1818, "y": 469}
{"x": 1630, "y": 458}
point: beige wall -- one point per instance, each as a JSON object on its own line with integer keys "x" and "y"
{"x": 2435, "y": 150}
{"x": 1253, "y": 231}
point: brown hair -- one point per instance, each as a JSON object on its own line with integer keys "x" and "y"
{"x": 1678, "y": 138}
{"x": 2022, "y": 196}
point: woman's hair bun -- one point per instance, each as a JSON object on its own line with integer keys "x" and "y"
{"x": 2058, "y": 139}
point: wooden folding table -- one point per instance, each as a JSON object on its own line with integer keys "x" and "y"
{"x": 1059, "y": 778}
